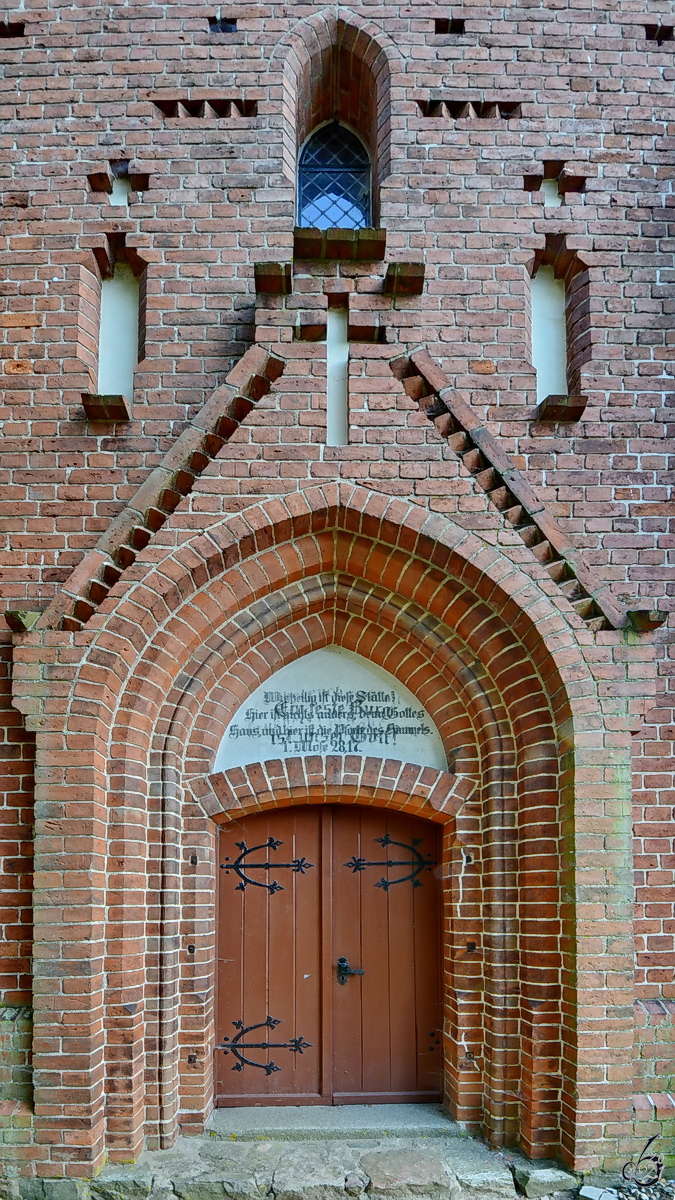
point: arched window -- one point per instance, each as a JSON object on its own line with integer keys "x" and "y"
{"x": 334, "y": 180}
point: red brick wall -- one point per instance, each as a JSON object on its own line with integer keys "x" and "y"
{"x": 78, "y": 93}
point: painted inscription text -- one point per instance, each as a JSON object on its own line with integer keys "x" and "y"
{"x": 330, "y": 720}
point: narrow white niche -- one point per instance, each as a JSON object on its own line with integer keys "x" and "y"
{"x": 337, "y": 377}
{"x": 118, "y": 333}
{"x": 549, "y": 334}
{"x": 549, "y": 190}
{"x": 121, "y": 188}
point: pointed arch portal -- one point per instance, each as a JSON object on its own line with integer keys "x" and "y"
{"x": 127, "y": 744}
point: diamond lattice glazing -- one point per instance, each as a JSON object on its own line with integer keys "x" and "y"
{"x": 334, "y": 181}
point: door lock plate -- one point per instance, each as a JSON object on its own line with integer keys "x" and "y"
{"x": 344, "y": 970}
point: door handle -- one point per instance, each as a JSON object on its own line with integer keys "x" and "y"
{"x": 344, "y": 970}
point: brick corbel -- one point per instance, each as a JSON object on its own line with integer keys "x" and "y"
{"x": 112, "y": 246}
{"x": 562, "y": 408}
{"x": 101, "y": 179}
{"x": 100, "y": 247}
{"x": 106, "y": 408}
{"x": 20, "y": 620}
{"x": 346, "y": 245}
{"x": 645, "y": 616}
{"x": 404, "y": 279}
{"x": 101, "y": 175}
{"x": 273, "y": 278}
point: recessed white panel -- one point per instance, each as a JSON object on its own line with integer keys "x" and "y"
{"x": 331, "y": 702}
{"x": 549, "y": 334}
{"x": 337, "y": 378}
{"x": 118, "y": 334}
{"x": 121, "y": 188}
{"x": 549, "y": 190}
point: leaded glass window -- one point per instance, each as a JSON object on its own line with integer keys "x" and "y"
{"x": 334, "y": 180}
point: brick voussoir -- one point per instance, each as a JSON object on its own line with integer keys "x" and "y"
{"x": 314, "y": 779}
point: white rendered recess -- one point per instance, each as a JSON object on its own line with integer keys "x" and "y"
{"x": 549, "y": 334}
{"x": 331, "y": 701}
{"x": 118, "y": 333}
{"x": 337, "y": 377}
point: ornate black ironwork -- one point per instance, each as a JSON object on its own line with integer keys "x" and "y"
{"x": 298, "y": 865}
{"x": 418, "y": 862}
{"x": 648, "y": 1168}
{"x": 236, "y": 1046}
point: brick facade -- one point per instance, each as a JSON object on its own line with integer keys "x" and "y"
{"x": 513, "y": 572}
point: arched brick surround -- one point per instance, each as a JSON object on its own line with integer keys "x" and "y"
{"x": 336, "y": 66}
{"x": 337, "y": 779}
{"x": 426, "y": 661}
{"x": 134, "y": 707}
{"x": 583, "y": 280}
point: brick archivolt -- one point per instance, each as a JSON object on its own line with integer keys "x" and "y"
{"x": 129, "y": 712}
{"x": 334, "y": 779}
{"x": 497, "y": 723}
{"x": 327, "y": 609}
{"x": 168, "y": 611}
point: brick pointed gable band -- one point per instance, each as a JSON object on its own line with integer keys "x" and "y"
{"x": 492, "y": 469}
{"x": 495, "y": 473}
{"x": 163, "y": 490}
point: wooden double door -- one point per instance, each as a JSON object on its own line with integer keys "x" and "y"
{"x": 329, "y": 936}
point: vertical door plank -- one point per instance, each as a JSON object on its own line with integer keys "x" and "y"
{"x": 270, "y": 960}
{"x": 397, "y": 1004}
{"x": 403, "y": 980}
{"x": 327, "y": 956}
{"x": 347, "y": 1035}
{"x": 378, "y": 1052}
{"x": 428, "y": 947}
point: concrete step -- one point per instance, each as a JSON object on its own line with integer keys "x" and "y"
{"x": 344, "y": 1122}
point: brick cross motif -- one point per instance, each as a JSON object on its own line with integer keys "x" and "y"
{"x": 339, "y": 334}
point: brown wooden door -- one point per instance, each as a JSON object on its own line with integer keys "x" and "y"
{"x": 298, "y": 890}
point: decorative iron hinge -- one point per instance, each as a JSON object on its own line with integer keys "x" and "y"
{"x": 298, "y": 865}
{"x": 418, "y": 862}
{"x": 236, "y": 1046}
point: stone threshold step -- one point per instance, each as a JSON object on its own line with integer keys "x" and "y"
{"x": 208, "y": 1168}
{"x": 339, "y": 1123}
